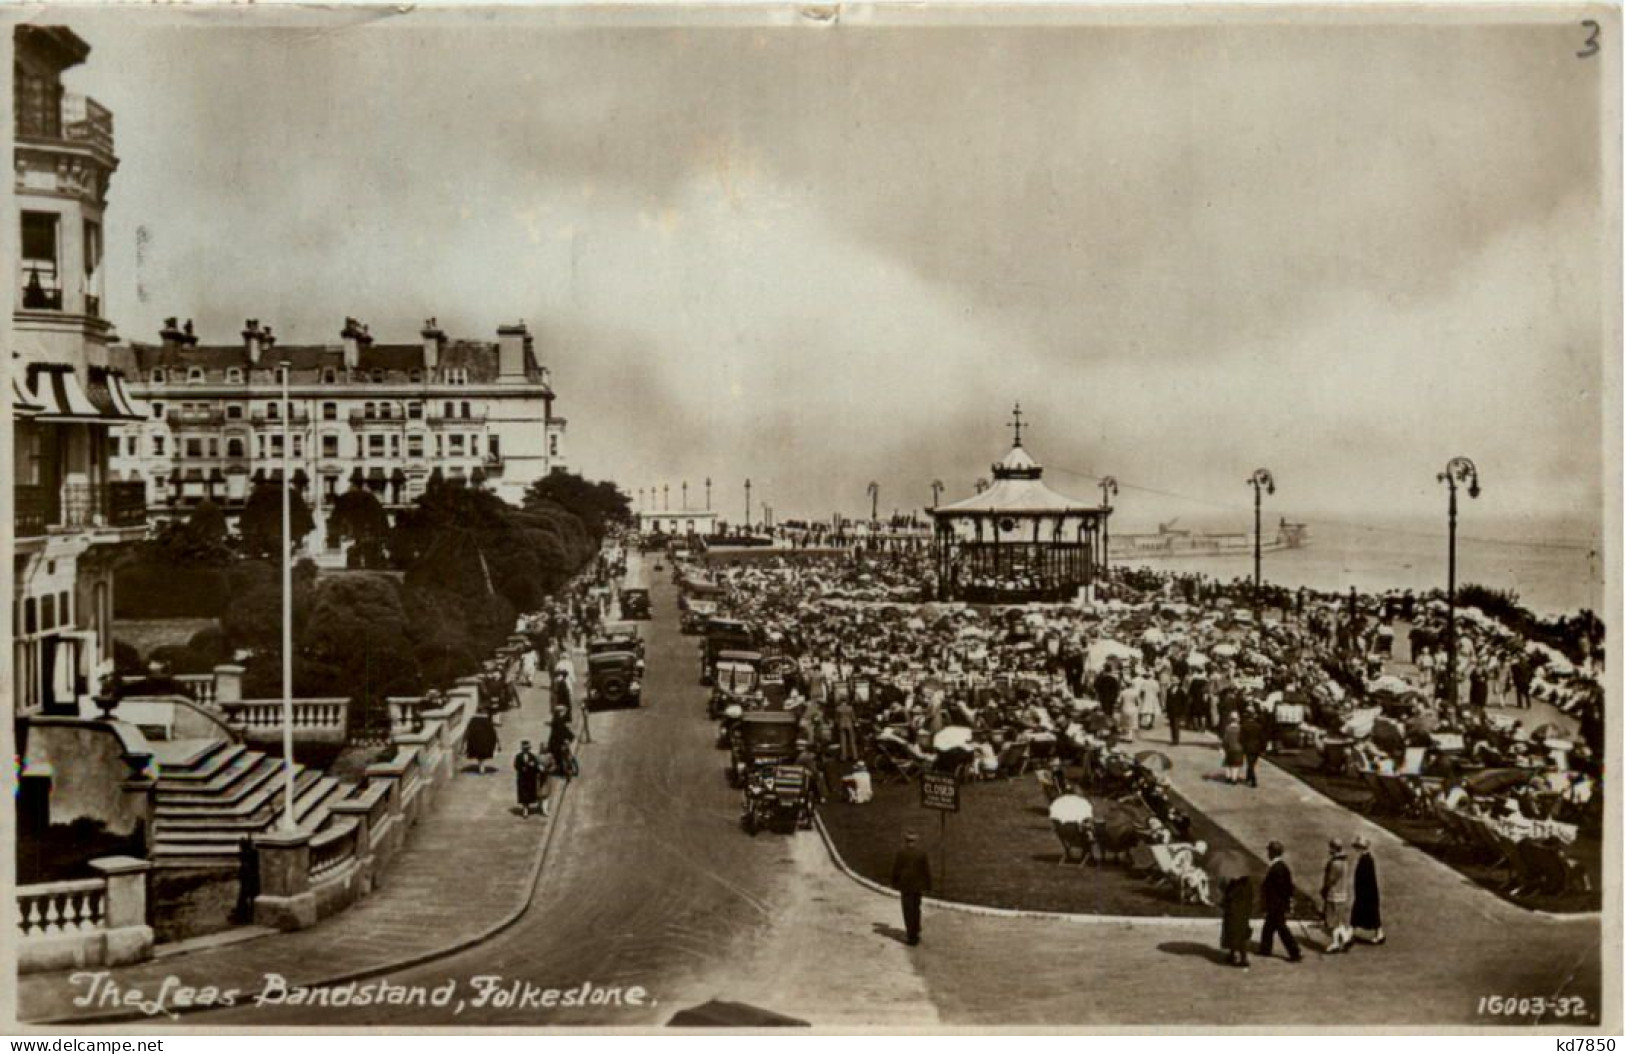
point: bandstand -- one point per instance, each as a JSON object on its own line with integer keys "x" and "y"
{"x": 1017, "y": 541}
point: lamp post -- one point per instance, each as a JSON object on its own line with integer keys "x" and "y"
{"x": 1108, "y": 489}
{"x": 665, "y": 497}
{"x": 747, "y": 505}
{"x": 289, "y": 822}
{"x": 640, "y": 499}
{"x": 936, "y": 493}
{"x": 685, "y": 495}
{"x": 1457, "y": 471}
{"x": 1261, "y": 481}
{"x": 707, "y": 493}
{"x": 874, "y": 501}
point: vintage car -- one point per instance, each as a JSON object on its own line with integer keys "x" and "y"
{"x": 634, "y": 604}
{"x": 776, "y": 793}
{"x": 616, "y": 640}
{"x": 736, "y": 680}
{"x": 723, "y": 635}
{"x": 614, "y": 679}
{"x": 696, "y": 613}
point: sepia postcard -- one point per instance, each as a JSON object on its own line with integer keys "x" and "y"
{"x": 813, "y": 517}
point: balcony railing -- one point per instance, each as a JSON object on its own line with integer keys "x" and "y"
{"x": 183, "y": 417}
{"x": 453, "y": 420}
{"x": 84, "y": 120}
{"x": 296, "y": 415}
{"x": 41, "y": 508}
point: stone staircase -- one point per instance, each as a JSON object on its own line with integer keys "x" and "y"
{"x": 211, "y": 794}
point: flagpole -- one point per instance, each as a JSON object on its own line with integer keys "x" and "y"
{"x": 288, "y": 820}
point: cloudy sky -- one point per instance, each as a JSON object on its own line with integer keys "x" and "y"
{"x": 823, "y": 255}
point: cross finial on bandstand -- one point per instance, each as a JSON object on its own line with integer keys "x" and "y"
{"x": 1016, "y": 424}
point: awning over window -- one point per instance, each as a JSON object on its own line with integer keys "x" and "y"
{"x": 23, "y": 403}
{"x": 56, "y": 388}
{"x": 106, "y": 390}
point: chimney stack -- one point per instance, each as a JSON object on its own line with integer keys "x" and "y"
{"x": 513, "y": 341}
{"x": 253, "y": 340}
{"x": 433, "y": 340}
{"x": 355, "y": 337}
{"x": 173, "y": 336}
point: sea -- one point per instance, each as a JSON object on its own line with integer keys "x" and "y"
{"x": 1559, "y": 574}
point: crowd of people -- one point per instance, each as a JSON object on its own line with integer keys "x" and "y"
{"x": 889, "y": 683}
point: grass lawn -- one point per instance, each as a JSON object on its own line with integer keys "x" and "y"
{"x": 1472, "y": 863}
{"x": 1002, "y": 853}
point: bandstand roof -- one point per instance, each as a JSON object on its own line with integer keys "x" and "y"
{"x": 1018, "y": 487}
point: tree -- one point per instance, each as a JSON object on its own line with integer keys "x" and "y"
{"x": 358, "y": 517}
{"x": 357, "y": 643}
{"x": 260, "y": 526}
{"x": 599, "y": 505}
{"x": 198, "y": 541}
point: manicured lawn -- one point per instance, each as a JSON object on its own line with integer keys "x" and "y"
{"x": 1472, "y": 863}
{"x": 1001, "y": 852}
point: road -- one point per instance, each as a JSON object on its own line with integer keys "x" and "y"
{"x": 650, "y": 883}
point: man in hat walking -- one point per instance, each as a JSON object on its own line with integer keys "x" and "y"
{"x": 1277, "y": 889}
{"x": 911, "y": 877}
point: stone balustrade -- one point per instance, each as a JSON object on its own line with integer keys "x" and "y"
{"x": 99, "y": 921}
{"x": 314, "y": 720}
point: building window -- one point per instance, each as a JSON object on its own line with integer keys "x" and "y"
{"x": 553, "y": 445}
{"x": 414, "y": 446}
{"x": 214, "y": 446}
{"x": 448, "y": 408}
{"x": 330, "y": 446}
{"x": 276, "y": 445}
{"x": 157, "y": 411}
{"x": 378, "y": 376}
{"x": 234, "y": 411}
{"x": 47, "y": 616}
{"x": 263, "y": 447}
{"x": 439, "y": 445}
{"x": 273, "y": 411}
{"x": 157, "y": 376}
{"x": 395, "y": 446}
{"x": 457, "y": 445}
{"x": 194, "y": 375}
{"x": 474, "y": 445}
{"x": 38, "y": 104}
{"x": 234, "y": 375}
{"x": 234, "y": 447}
{"x": 494, "y": 446}
{"x": 414, "y": 411}
{"x": 42, "y": 284}
{"x": 416, "y": 376}
{"x": 330, "y": 411}
{"x": 466, "y": 414}
{"x": 369, "y": 411}
{"x": 298, "y": 445}
{"x": 330, "y": 486}
{"x": 330, "y": 376}
{"x": 375, "y": 445}
{"x": 157, "y": 446}
{"x": 93, "y": 260}
{"x": 386, "y": 410}
{"x": 129, "y": 446}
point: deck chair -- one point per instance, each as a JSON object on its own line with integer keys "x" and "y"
{"x": 898, "y": 757}
{"x": 1368, "y": 780}
{"x": 1162, "y": 871}
{"x": 1076, "y": 841}
{"x": 1013, "y": 760}
{"x": 1046, "y": 783}
{"x": 889, "y": 768}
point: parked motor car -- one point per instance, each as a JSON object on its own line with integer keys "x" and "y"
{"x": 614, "y": 679}
{"x": 723, "y": 635}
{"x": 634, "y": 603}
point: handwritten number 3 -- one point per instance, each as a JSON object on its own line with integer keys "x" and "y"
{"x": 1591, "y": 45}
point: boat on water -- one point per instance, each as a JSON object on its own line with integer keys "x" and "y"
{"x": 1171, "y": 540}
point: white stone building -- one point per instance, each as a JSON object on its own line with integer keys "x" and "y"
{"x": 70, "y": 515}
{"x": 383, "y": 416}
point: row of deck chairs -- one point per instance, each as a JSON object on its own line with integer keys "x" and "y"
{"x": 1533, "y": 865}
{"x": 895, "y": 762}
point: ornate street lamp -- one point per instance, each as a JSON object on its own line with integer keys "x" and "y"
{"x": 665, "y": 497}
{"x": 289, "y": 820}
{"x": 707, "y": 493}
{"x": 1108, "y": 489}
{"x": 936, "y": 493}
{"x": 873, "y": 491}
{"x": 685, "y": 495}
{"x": 1457, "y": 471}
{"x": 747, "y": 505}
{"x": 1262, "y": 482}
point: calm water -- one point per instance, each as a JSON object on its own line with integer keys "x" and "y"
{"x": 1552, "y": 576}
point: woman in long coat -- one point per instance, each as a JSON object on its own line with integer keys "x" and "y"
{"x": 527, "y": 770}
{"x": 1367, "y": 914}
{"x": 1234, "y": 757}
{"x": 481, "y": 741}
{"x": 1237, "y": 932}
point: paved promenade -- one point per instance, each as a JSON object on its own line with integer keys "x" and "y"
{"x": 467, "y": 842}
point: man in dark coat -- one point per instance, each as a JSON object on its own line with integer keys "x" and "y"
{"x": 1237, "y": 934}
{"x": 1252, "y": 742}
{"x": 1277, "y": 890}
{"x": 1107, "y": 687}
{"x": 911, "y": 877}
{"x": 1176, "y": 706}
{"x": 527, "y": 770}
{"x": 1367, "y": 913}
